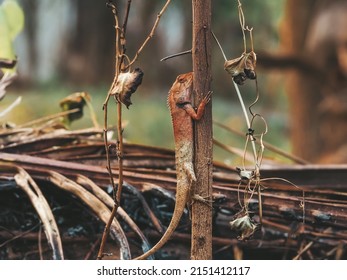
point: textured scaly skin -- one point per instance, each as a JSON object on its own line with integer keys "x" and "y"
{"x": 182, "y": 114}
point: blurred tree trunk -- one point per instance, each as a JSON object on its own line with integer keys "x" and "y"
{"x": 93, "y": 38}
{"x": 314, "y": 32}
{"x": 88, "y": 57}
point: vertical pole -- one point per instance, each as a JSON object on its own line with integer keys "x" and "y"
{"x": 201, "y": 53}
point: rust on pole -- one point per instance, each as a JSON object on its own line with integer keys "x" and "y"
{"x": 201, "y": 54}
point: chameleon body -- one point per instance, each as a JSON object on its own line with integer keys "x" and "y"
{"x": 182, "y": 114}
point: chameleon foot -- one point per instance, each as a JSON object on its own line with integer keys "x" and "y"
{"x": 205, "y": 200}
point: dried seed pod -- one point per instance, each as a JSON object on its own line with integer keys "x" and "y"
{"x": 236, "y": 69}
{"x": 126, "y": 85}
{"x": 240, "y": 78}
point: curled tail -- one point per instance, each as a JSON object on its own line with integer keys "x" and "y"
{"x": 176, "y": 217}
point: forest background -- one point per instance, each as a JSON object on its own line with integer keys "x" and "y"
{"x": 68, "y": 46}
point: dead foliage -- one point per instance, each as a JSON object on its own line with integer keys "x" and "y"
{"x": 55, "y": 181}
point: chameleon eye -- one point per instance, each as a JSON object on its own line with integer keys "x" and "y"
{"x": 180, "y": 79}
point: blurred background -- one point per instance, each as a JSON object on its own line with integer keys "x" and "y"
{"x": 68, "y": 46}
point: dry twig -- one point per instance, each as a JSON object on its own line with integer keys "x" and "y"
{"x": 28, "y": 185}
{"x": 98, "y": 207}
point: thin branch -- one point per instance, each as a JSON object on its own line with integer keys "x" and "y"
{"x": 20, "y": 235}
{"x": 219, "y": 45}
{"x": 107, "y": 146}
{"x": 105, "y": 105}
{"x": 126, "y": 17}
{"x": 92, "y": 112}
{"x": 120, "y": 153}
{"x": 11, "y": 106}
{"x": 176, "y": 54}
{"x": 307, "y": 247}
{"x": 106, "y": 233}
{"x": 39, "y": 241}
{"x": 242, "y": 24}
{"x": 120, "y": 55}
{"x": 246, "y": 116}
{"x": 256, "y": 98}
{"x": 235, "y": 151}
{"x": 151, "y": 34}
{"x": 104, "y": 197}
{"x": 98, "y": 207}
{"x": 92, "y": 248}
{"x": 47, "y": 118}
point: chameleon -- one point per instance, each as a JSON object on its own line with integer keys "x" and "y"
{"x": 182, "y": 115}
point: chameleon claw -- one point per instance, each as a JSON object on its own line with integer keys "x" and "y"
{"x": 207, "y": 97}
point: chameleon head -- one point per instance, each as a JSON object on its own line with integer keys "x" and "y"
{"x": 185, "y": 78}
{"x": 183, "y": 88}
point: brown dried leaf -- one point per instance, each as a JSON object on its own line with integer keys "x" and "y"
{"x": 76, "y": 100}
{"x": 244, "y": 225}
{"x": 250, "y": 62}
{"x": 234, "y": 66}
{"x": 126, "y": 85}
{"x": 242, "y": 67}
{"x": 8, "y": 63}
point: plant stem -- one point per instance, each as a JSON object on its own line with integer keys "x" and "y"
{"x": 246, "y": 117}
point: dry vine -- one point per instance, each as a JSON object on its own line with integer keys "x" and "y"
{"x": 124, "y": 84}
{"x": 243, "y": 68}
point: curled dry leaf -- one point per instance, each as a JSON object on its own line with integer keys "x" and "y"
{"x": 250, "y": 64}
{"x": 242, "y": 67}
{"x": 126, "y": 85}
{"x": 7, "y": 63}
{"x": 245, "y": 174}
{"x": 243, "y": 224}
{"x": 236, "y": 69}
{"x": 76, "y": 100}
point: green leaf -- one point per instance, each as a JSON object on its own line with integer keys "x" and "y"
{"x": 14, "y": 16}
{"x": 11, "y": 23}
{"x": 6, "y": 48}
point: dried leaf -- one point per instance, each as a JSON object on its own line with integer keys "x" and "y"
{"x": 126, "y": 85}
{"x": 245, "y": 174}
{"x": 234, "y": 66}
{"x": 250, "y": 61}
{"x": 11, "y": 24}
{"x": 76, "y": 100}
{"x": 244, "y": 225}
{"x": 242, "y": 67}
{"x": 8, "y": 63}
